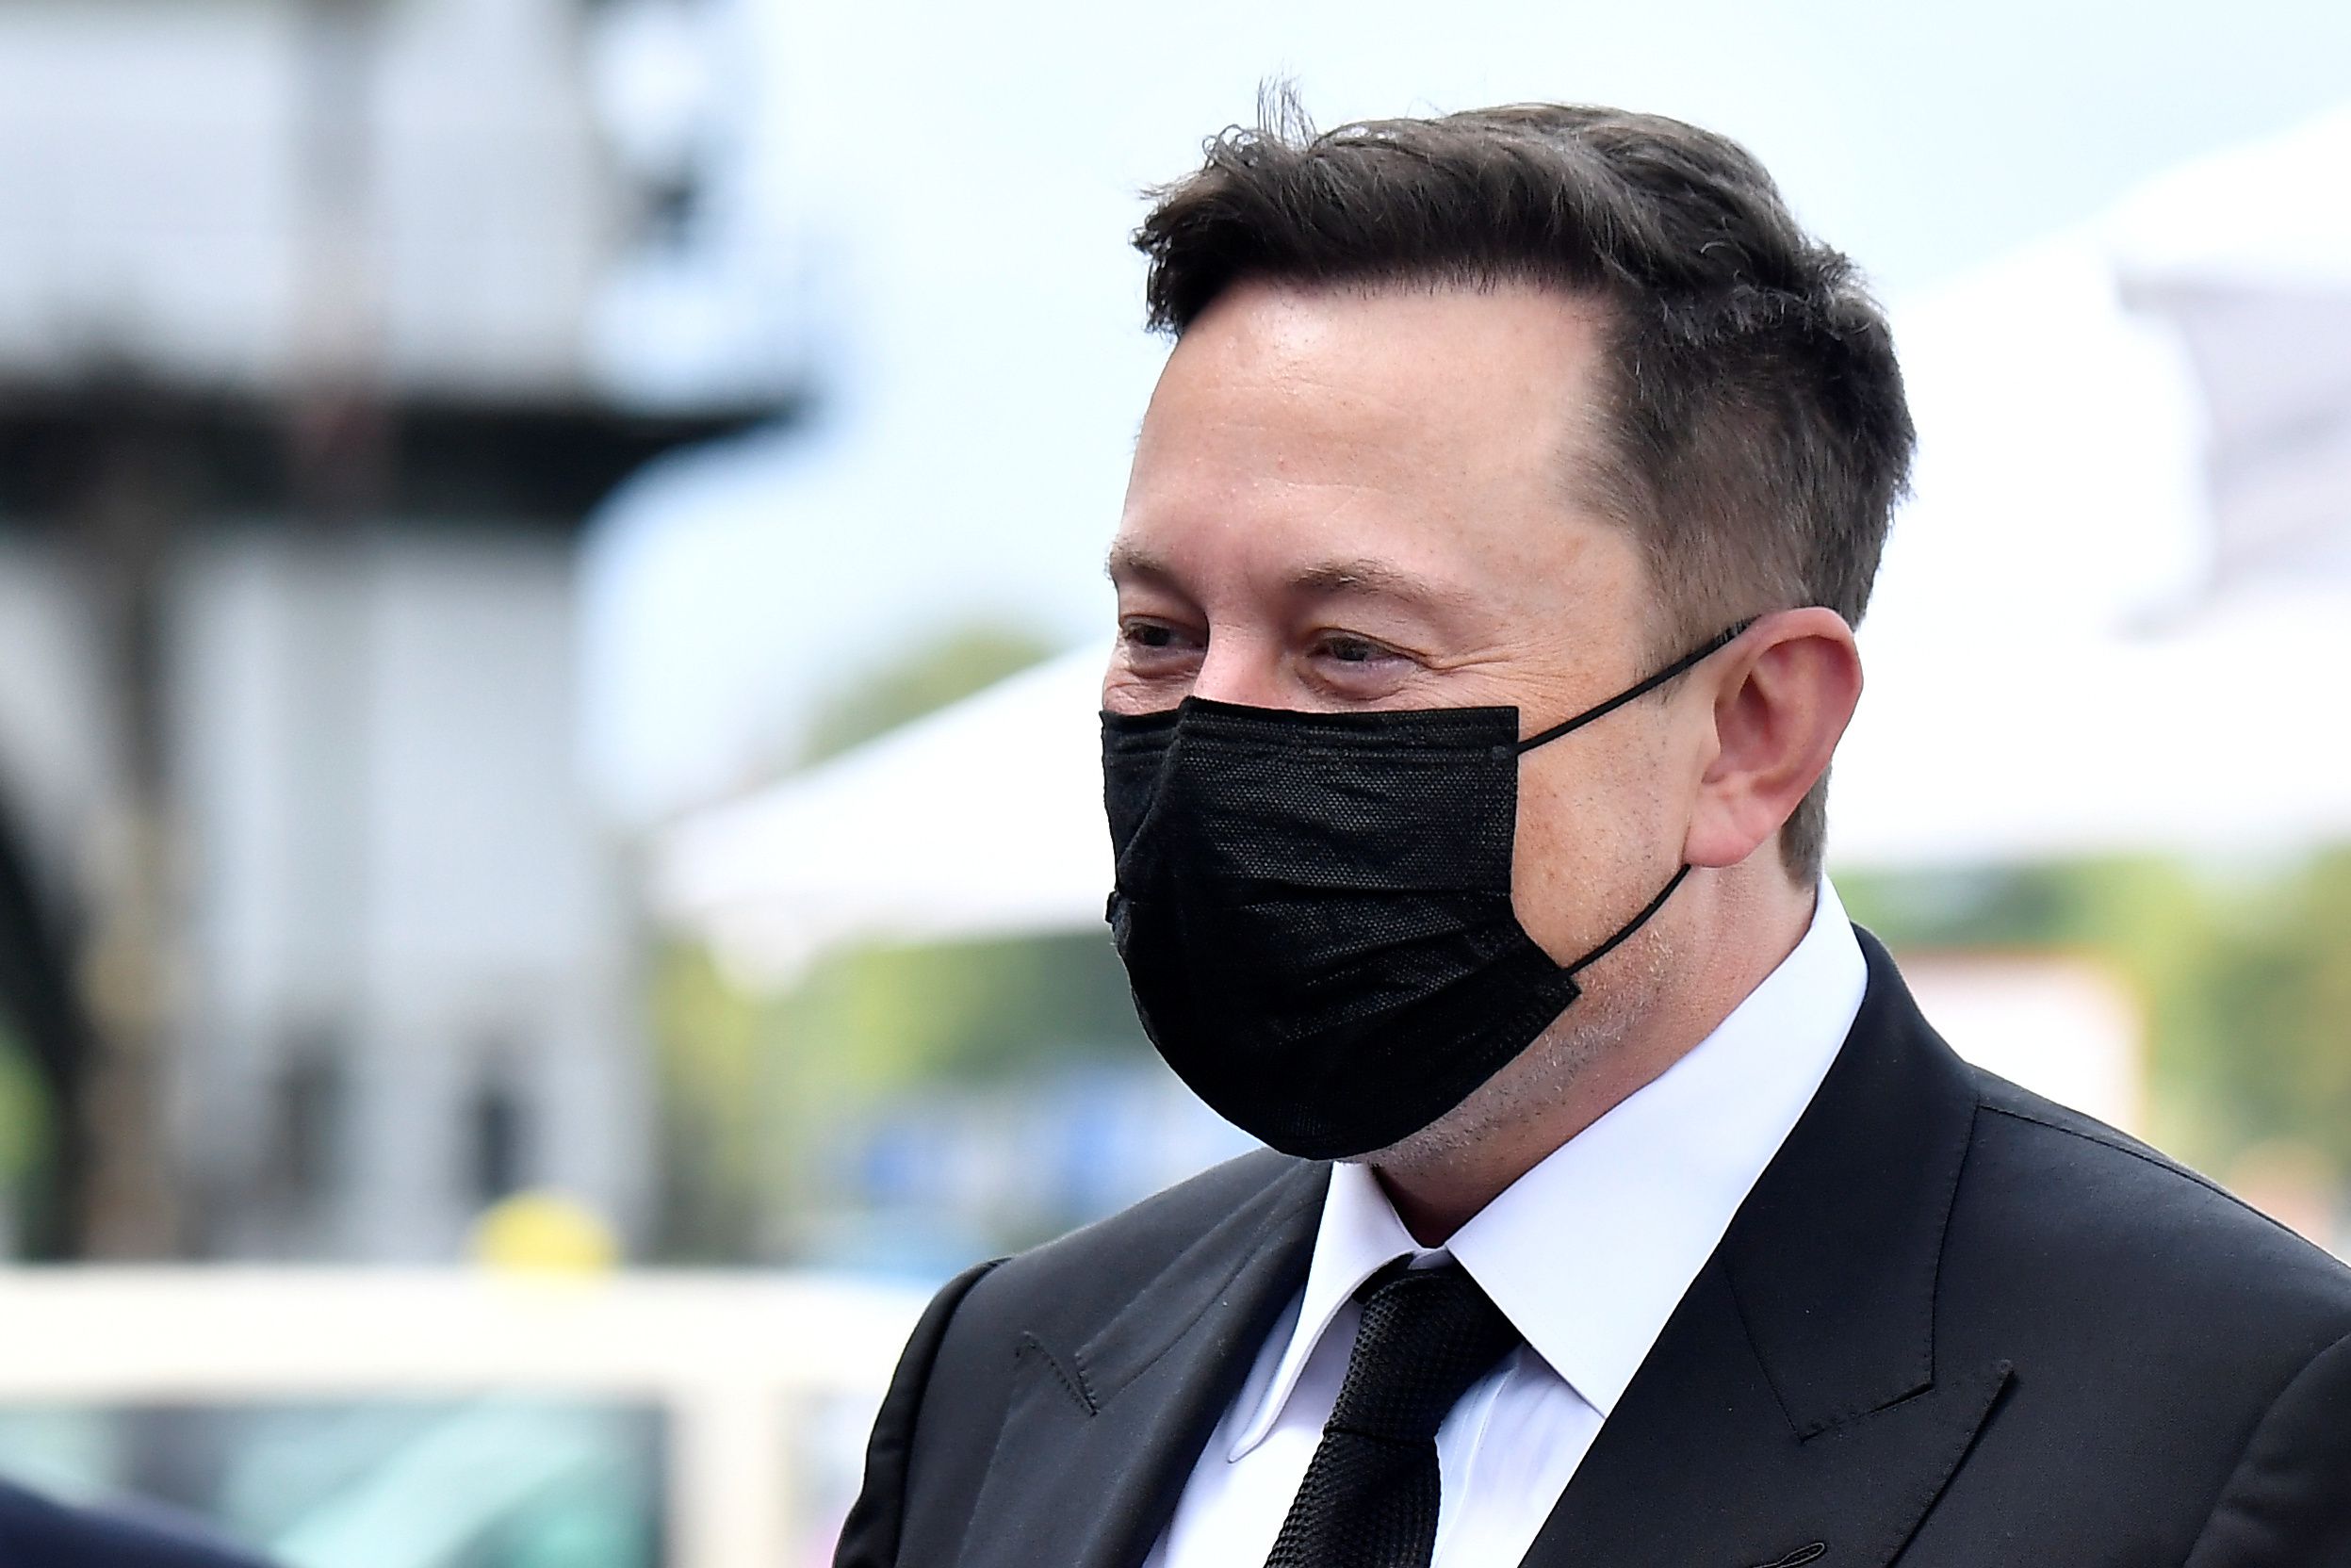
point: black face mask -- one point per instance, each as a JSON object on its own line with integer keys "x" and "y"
{"x": 1315, "y": 909}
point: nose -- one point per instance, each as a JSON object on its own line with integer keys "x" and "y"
{"x": 1246, "y": 670}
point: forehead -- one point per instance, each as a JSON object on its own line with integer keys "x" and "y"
{"x": 1454, "y": 361}
{"x": 1439, "y": 427}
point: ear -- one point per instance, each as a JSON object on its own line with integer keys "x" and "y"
{"x": 1782, "y": 699}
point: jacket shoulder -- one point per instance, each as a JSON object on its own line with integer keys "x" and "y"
{"x": 1093, "y": 1269}
{"x": 2166, "y": 1342}
{"x": 929, "y": 1458}
{"x": 2089, "y": 1216}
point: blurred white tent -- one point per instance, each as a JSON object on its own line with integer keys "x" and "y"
{"x": 983, "y": 819}
{"x": 2113, "y": 616}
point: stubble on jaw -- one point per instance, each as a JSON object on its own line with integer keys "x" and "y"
{"x": 1539, "y": 1083}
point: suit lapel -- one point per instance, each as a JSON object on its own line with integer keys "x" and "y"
{"x": 1794, "y": 1409}
{"x": 1098, "y": 1438}
{"x": 1700, "y": 1468}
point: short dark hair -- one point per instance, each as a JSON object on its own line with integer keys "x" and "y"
{"x": 1756, "y": 437}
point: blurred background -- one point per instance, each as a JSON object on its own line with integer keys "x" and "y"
{"x": 551, "y": 867}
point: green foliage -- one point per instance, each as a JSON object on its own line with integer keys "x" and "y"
{"x": 2245, "y": 975}
{"x": 928, "y": 678}
{"x": 879, "y": 1019}
{"x": 756, "y": 1086}
{"x": 2277, "y": 1034}
{"x": 751, "y": 1082}
{"x": 710, "y": 1045}
{"x": 26, "y": 1137}
{"x": 23, "y": 1111}
{"x": 890, "y": 1017}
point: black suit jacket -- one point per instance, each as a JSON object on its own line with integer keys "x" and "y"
{"x": 38, "y": 1533}
{"x": 1953, "y": 1326}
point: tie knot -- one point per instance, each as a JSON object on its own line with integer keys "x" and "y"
{"x": 1427, "y": 1335}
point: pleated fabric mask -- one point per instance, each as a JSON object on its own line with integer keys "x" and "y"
{"x": 1315, "y": 909}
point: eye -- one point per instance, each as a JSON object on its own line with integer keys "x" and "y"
{"x": 1150, "y": 645}
{"x": 1340, "y": 647}
{"x": 1352, "y": 667}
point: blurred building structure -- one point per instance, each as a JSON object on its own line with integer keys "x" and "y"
{"x": 323, "y": 323}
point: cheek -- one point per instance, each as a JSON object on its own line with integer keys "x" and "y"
{"x": 1125, "y": 693}
{"x": 1594, "y": 841}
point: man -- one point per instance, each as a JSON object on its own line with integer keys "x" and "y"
{"x": 1485, "y": 592}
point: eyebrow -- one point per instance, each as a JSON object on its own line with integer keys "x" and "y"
{"x": 1364, "y": 576}
{"x": 1128, "y": 561}
{"x": 1327, "y": 579}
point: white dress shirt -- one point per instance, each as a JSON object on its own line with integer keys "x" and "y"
{"x": 1588, "y": 1255}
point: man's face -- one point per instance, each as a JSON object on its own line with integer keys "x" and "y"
{"x": 1348, "y": 500}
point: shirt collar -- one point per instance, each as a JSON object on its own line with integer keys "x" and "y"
{"x": 1590, "y": 1251}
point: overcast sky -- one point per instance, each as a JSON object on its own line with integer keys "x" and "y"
{"x": 967, "y": 177}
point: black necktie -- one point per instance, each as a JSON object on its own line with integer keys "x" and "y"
{"x": 1369, "y": 1499}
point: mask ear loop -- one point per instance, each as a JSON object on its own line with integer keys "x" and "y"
{"x": 1680, "y": 666}
{"x": 1626, "y": 930}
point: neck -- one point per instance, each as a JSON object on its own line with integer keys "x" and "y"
{"x": 1440, "y": 1179}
